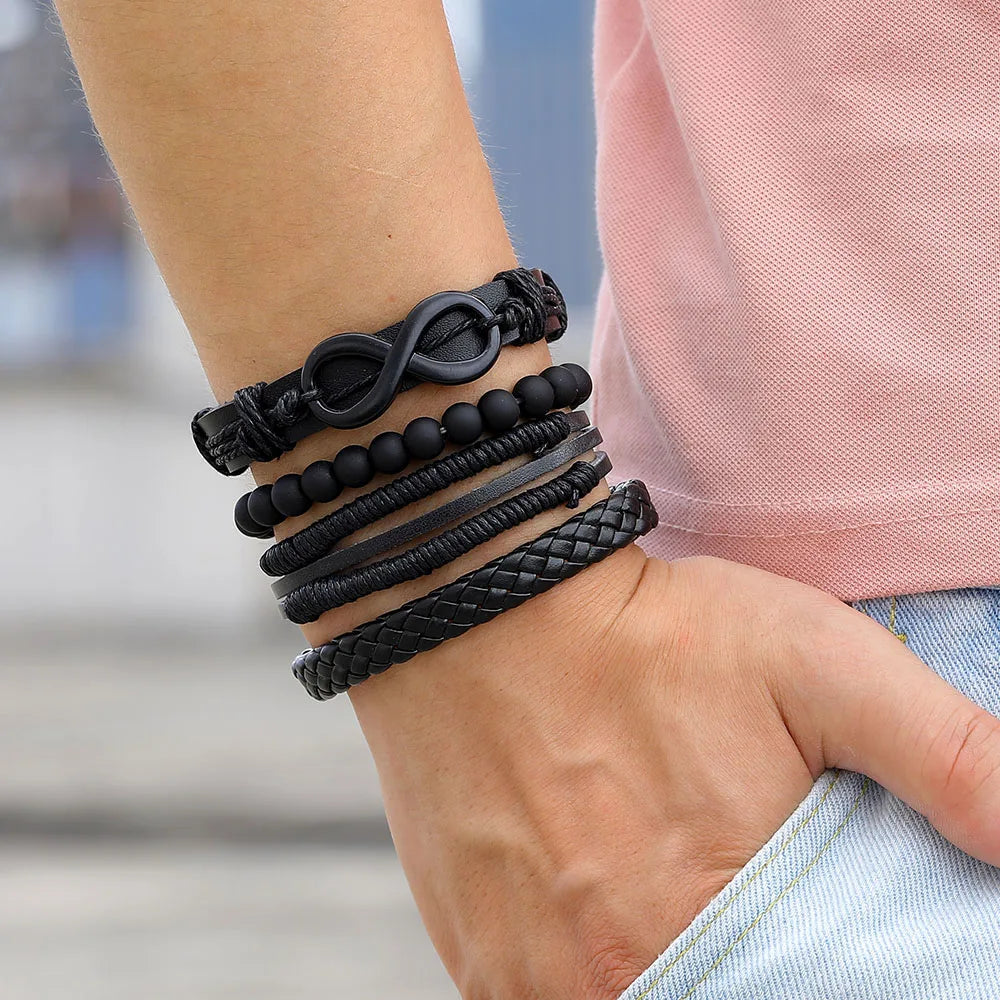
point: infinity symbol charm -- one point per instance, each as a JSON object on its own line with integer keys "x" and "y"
{"x": 399, "y": 359}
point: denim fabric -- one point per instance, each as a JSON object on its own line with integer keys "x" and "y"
{"x": 857, "y": 897}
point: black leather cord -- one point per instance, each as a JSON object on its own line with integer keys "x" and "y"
{"x": 321, "y": 536}
{"x": 306, "y": 604}
{"x": 402, "y": 534}
{"x": 479, "y": 596}
{"x": 350, "y": 378}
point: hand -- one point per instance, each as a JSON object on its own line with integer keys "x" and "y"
{"x": 568, "y": 790}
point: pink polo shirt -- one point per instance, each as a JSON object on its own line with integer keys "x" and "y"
{"x": 798, "y": 330}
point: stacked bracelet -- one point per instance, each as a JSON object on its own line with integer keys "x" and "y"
{"x": 479, "y": 596}
{"x": 354, "y": 466}
{"x": 341, "y": 559}
{"x": 349, "y": 380}
{"x": 319, "y": 538}
{"x": 307, "y": 603}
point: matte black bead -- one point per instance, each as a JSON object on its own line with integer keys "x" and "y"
{"x": 246, "y": 524}
{"x": 499, "y": 409}
{"x": 288, "y": 498}
{"x": 584, "y": 383}
{"x": 319, "y": 483}
{"x": 387, "y": 452}
{"x": 261, "y": 509}
{"x": 563, "y": 383}
{"x": 352, "y": 467}
{"x": 463, "y": 423}
{"x": 534, "y": 395}
{"x": 423, "y": 438}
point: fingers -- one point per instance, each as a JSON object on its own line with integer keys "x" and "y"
{"x": 862, "y": 701}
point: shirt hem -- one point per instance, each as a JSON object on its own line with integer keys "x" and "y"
{"x": 892, "y": 557}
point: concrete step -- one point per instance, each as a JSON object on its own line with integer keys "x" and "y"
{"x": 158, "y": 739}
{"x": 167, "y": 922}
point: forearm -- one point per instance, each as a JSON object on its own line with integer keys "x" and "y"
{"x": 294, "y": 170}
{"x": 295, "y": 174}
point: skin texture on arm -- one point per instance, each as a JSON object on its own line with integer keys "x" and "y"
{"x": 566, "y": 786}
{"x": 296, "y": 176}
{"x": 290, "y": 171}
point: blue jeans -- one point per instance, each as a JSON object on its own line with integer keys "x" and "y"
{"x": 857, "y": 897}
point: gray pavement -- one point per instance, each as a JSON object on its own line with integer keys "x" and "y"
{"x": 206, "y": 922}
{"x": 176, "y": 821}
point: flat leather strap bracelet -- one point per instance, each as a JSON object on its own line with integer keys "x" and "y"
{"x": 348, "y": 380}
{"x": 478, "y": 597}
{"x": 319, "y": 538}
{"x": 468, "y": 503}
{"x": 307, "y": 603}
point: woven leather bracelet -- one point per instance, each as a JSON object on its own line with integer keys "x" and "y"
{"x": 307, "y": 603}
{"x": 478, "y": 597}
{"x": 317, "y": 540}
{"x": 348, "y": 380}
{"x": 468, "y": 503}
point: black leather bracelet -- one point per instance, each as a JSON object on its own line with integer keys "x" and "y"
{"x": 319, "y": 538}
{"x": 424, "y": 438}
{"x": 307, "y": 603}
{"x": 468, "y": 503}
{"x": 350, "y": 379}
{"x": 478, "y": 597}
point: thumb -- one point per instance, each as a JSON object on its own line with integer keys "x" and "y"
{"x": 869, "y": 704}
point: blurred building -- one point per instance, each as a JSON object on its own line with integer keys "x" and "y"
{"x": 65, "y": 279}
{"x": 533, "y": 99}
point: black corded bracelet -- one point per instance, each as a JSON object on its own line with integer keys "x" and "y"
{"x": 307, "y": 603}
{"x": 322, "y": 535}
{"x": 369, "y": 548}
{"x": 350, "y": 379}
{"x": 559, "y": 386}
{"x": 478, "y": 597}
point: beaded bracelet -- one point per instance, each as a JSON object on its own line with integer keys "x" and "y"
{"x": 341, "y": 559}
{"x": 319, "y": 538}
{"x": 355, "y": 466}
{"x": 307, "y": 603}
{"x": 479, "y": 596}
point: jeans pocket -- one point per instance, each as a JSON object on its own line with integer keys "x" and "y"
{"x": 726, "y": 934}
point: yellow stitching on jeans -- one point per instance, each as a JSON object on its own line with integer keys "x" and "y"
{"x": 891, "y": 626}
{"x": 901, "y": 636}
{"x": 743, "y": 888}
{"x": 788, "y": 888}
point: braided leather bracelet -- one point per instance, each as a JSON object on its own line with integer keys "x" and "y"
{"x": 306, "y": 604}
{"x": 321, "y": 536}
{"x": 348, "y": 380}
{"x": 478, "y": 597}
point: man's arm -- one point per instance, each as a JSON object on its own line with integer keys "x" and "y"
{"x": 560, "y": 782}
{"x": 297, "y": 172}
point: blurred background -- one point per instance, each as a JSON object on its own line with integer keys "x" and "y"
{"x": 176, "y": 818}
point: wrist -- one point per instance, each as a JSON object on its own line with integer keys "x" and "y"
{"x": 419, "y": 401}
{"x": 470, "y": 674}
